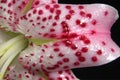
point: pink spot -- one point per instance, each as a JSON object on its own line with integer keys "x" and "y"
{"x": 56, "y": 49}
{"x": 94, "y": 59}
{"x": 29, "y": 15}
{"x": 20, "y": 75}
{"x": 51, "y": 57}
{"x": 78, "y": 54}
{"x": 27, "y": 76}
{"x": 52, "y": 30}
{"x": 34, "y": 11}
{"x": 56, "y": 6}
{"x": 59, "y": 63}
{"x": 67, "y": 43}
{"x": 55, "y": 44}
{"x": 32, "y": 54}
{"x": 103, "y": 43}
{"x": 47, "y": 7}
{"x": 80, "y": 7}
{"x": 94, "y": 22}
{"x": 74, "y": 47}
{"x": 83, "y": 24}
{"x": 82, "y": 13}
{"x": 88, "y": 15}
{"x": 50, "y": 68}
{"x": 81, "y": 59}
{"x": 68, "y": 17}
{"x": 40, "y": 61}
{"x": 67, "y": 78}
{"x": 68, "y": 7}
{"x": 113, "y": 50}
{"x": 42, "y": 27}
{"x": 54, "y": 24}
{"x": 9, "y": 5}
{"x": 57, "y": 17}
{"x": 66, "y": 60}
{"x": 37, "y": 2}
{"x": 8, "y": 68}
{"x": 40, "y": 12}
{"x": 59, "y": 78}
{"x": 60, "y": 54}
{"x": 84, "y": 39}
{"x": 99, "y": 52}
{"x": 73, "y": 35}
{"x": 52, "y": 35}
{"x": 78, "y": 22}
{"x": 38, "y": 18}
{"x": 60, "y": 72}
{"x": 51, "y": 10}
{"x": 106, "y": 13}
{"x": 76, "y": 63}
{"x": 65, "y": 27}
{"x": 71, "y": 11}
{"x": 87, "y": 41}
{"x": 50, "y": 17}
{"x": 93, "y": 32}
{"x": 44, "y": 19}
{"x": 33, "y": 64}
{"x": 58, "y": 12}
{"x": 84, "y": 49}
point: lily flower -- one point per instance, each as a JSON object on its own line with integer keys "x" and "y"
{"x": 44, "y": 40}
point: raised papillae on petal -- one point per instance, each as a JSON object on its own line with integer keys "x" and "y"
{"x": 11, "y": 10}
{"x": 81, "y": 33}
{"x": 62, "y": 21}
{"x": 83, "y": 51}
{"x": 17, "y": 72}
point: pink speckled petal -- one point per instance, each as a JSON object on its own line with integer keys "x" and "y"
{"x": 82, "y": 42}
{"x": 84, "y": 51}
{"x": 82, "y": 33}
{"x": 16, "y": 72}
{"x": 11, "y": 10}
{"x": 59, "y": 20}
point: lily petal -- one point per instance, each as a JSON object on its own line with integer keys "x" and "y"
{"x": 59, "y": 20}
{"x": 83, "y": 51}
{"x": 10, "y": 10}
{"x": 17, "y": 72}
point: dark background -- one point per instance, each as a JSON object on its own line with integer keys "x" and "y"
{"x": 109, "y": 71}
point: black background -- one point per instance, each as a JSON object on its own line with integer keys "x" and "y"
{"x": 110, "y": 71}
